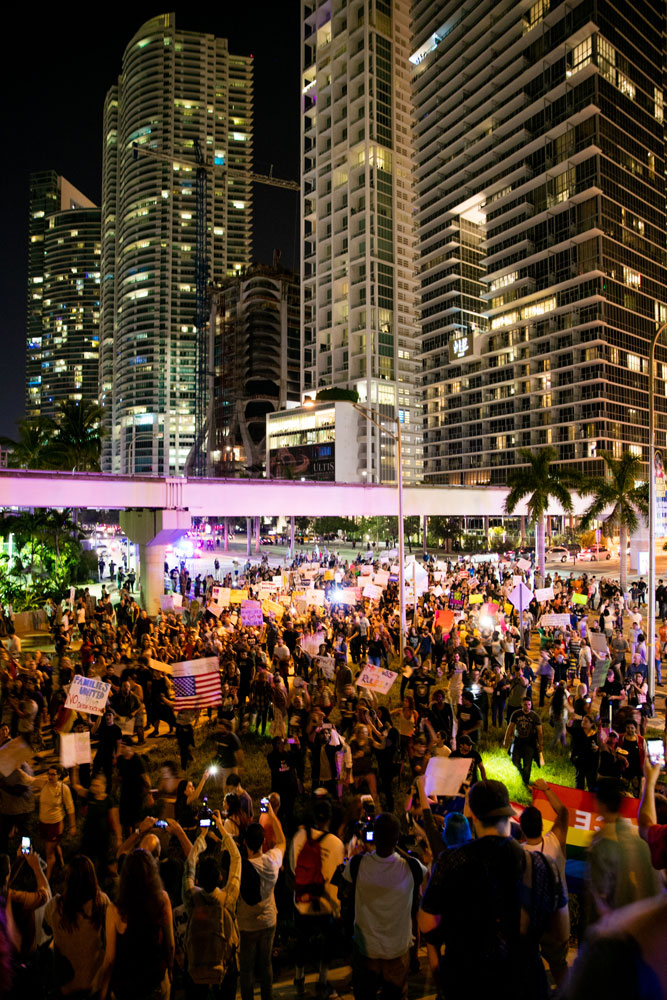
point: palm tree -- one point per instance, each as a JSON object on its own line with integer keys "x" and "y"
{"x": 540, "y": 481}
{"x": 78, "y": 442}
{"x": 618, "y": 493}
{"x": 33, "y": 449}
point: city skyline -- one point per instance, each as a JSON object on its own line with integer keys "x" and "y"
{"x": 65, "y": 135}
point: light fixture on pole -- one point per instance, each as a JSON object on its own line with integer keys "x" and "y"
{"x": 650, "y": 639}
{"x": 376, "y": 418}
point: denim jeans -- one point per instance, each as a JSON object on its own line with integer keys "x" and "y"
{"x": 255, "y": 952}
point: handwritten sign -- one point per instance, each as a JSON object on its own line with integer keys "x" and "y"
{"x": 381, "y": 578}
{"x": 237, "y": 596}
{"x": 444, "y": 776}
{"x": 456, "y": 600}
{"x": 475, "y": 599}
{"x": 555, "y": 621}
{"x": 273, "y": 608}
{"x": 544, "y": 594}
{"x": 444, "y": 618}
{"x": 580, "y": 598}
{"x": 524, "y": 564}
{"x": 75, "y": 749}
{"x": 327, "y": 665}
{"x": 376, "y": 678}
{"x": 372, "y": 591}
{"x": 315, "y": 597}
{"x": 251, "y": 613}
{"x": 221, "y": 596}
{"x": 88, "y": 694}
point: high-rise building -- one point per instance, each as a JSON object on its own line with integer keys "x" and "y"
{"x": 358, "y": 313}
{"x": 178, "y": 90}
{"x": 63, "y": 295}
{"x": 256, "y": 365}
{"x": 540, "y": 175}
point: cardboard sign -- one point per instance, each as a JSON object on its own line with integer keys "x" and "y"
{"x": 580, "y": 598}
{"x": 524, "y": 564}
{"x": 508, "y": 608}
{"x": 347, "y": 596}
{"x": 221, "y": 596}
{"x": 544, "y": 594}
{"x": 598, "y": 641}
{"x": 170, "y": 602}
{"x": 215, "y": 609}
{"x": 554, "y": 621}
{"x": 475, "y": 599}
{"x": 75, "y": 748}
{"x": 372, "y": 591}
{"x": 381, "y": 578}
{"x": 278, "y": 580}
{"x": 237, "y": 596}
{"x": 521, "y": 596}
{"x": 328, "y": 574}
{"x": 366, "y": 570}
{"x": 437, "y": 591}
{"x": 251, "y": 613}
{"x": 376, "y": 678}
{"x": 13, "y": 754}
{"x": 583, "y": 818}
{"x": 311, "y": 643}
{"x": 88, "y": 694}
{"x": 327, "y": 665}
{"x": 444, "y": 776}
{"x": 164, "y": 668}
{"x": 456, "y": 600}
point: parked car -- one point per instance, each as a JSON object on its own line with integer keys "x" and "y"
{"x": 558, "y": 553}
{"x": 595, "y": 554}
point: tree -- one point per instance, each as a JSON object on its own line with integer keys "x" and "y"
{"x": 77, "y": 445}
{"x": 32, "y": 449}
{"x": 539, "y": 480}
{"x": 340, "y": 395}
{"x": 618, "y": 493}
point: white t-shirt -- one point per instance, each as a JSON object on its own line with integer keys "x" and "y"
{"x": 549, "y": 845}
{"x": 262, "y": 914}
{"x": 383, "y": 905}
{"x": 333, "y": 854}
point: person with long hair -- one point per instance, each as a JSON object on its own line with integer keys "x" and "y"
{"x": 80, "y": 919}
{"x": 141, "y": 933}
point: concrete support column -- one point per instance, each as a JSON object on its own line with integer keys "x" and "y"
{"x": 486, "y": 530}
{"x": 248, "y": 532}
{"x": 152, "y": 531}
{"x": 291, "y": 537}
{"x": 225, "y": 534}
{"x": 523, "y": 530}
{"x": 425, "y": 530}
{"x": 257, "y": 535}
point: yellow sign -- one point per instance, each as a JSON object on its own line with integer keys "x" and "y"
{"x": 328, "y": 574}
{"x": 509, "y": 608}
{"x": 476, "y": 599}
{"x": 272, "y": 607}
{"x": 236, "y": 596}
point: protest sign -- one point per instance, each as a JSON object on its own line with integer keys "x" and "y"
{"x": 164, "y": 668}
{"x": 580, "y": 598}
{"x": 251, "y": 613}
{"x": 72, "y": 594}
{"x": 381, "y": 578}
{"x": 312, "y": 642}
{"x": 366, "y": 570}
{"x": 544, "y": 594}
{"x": 222, "y": 597}
{"x": 524, "y": 564}
{"x": 372, "y": 591}
{"x": 171, "y": 602}
{"x": 327, "y": 665}
{"x": 328, "y": 574}
{"x": 13, "y": 754}
{"x": 88, "y": 694}
{"x": 456, "y": 600}
{"x": 437, "y": 591}
{"x": 273, "y": 608}
{"x": 554, "y": 621}
{"x": 520, "y": 596}
{"x": 508, "y": 608}
{"x": 444, "y": 618}
{"x": 237, "y": 596}
{"x": 490, "y": 608}
{"x": 347, "y": 596}
{"x": 315, "y": 597}
{"x": 376, "y": 678}
{"x": 598, "y": 641}
{"x": 475, "y": 599}
{"x": 75, "y": 748}
{"x": 278, "y": 580}
{"x": 583, "y": 816}
{"x": 215, "y": 609}
{"x": 444, "y": 776}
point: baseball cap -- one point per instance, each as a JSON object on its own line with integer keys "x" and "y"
{"x": 489, "y": 800}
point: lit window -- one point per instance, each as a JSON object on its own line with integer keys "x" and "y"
{"x": 536, "y": 13}
{"x": 636, "y": 450}
{"x": 606, "y": 59}
{"x": 631, "y": 277}
{"x": 634, "y": 362}
{"x": 506, "y": 279}
{"x": 658, "y": 103}
{"x": 625, "y": 85}
{"x": 581, "y": 55}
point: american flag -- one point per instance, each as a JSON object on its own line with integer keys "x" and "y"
{"x": 197, "y": 683}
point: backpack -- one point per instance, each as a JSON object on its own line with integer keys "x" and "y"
{"x": 308, "y": 877}
{"x": 251, "y": 893}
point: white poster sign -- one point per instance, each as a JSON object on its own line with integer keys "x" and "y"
{"x": 376, "y": 678}
{"x": 88, "y": 694}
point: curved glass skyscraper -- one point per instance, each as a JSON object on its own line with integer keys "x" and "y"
{"x": 176, "y": 88}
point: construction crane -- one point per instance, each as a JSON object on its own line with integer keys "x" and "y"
{"x": 202, "y": 170}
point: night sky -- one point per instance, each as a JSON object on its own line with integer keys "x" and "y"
{"x": 68, "y": 60}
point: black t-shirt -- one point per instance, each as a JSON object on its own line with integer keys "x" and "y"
{"x": 228, "y": 745}
{"x": 525, "y": 725}
{"x": 441, "y": 717}
{"x": 131, "y": 770}
{"x": 467, "y": 718}
{"x": 421, "y": 686}
{"x": 109, "y": 737}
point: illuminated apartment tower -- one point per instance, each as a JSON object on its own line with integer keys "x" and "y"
{"x": 176, "y": 88}
{"x": 63, "y": 295}
{"x": 358, "y": 303}
{"x": 541, "y": 208}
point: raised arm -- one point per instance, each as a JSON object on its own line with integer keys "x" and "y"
{"x": 647, "y": 815}
{"x": 561, "y": 822}
{"x": 234, "y": 877}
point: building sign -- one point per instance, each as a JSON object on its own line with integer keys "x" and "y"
{"x": 308, "y": 461}
{"x": 660, "y": 495}
{"x": 461, "y": 346}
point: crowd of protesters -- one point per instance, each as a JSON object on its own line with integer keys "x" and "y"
{"x": 119, "y": 878}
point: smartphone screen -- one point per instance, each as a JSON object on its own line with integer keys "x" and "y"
{"x": 25, "y": 845}
{"x": 656, "y": 752}
{"x": 162, "y": 823}
{"x": 204, "y": 822}
{"x": 369, "y": 836}
{"x": 264, "y": 805}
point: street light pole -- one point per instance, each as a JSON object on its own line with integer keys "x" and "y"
{"x": 650, "y": 639}
{"x": 375, "y": 418}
